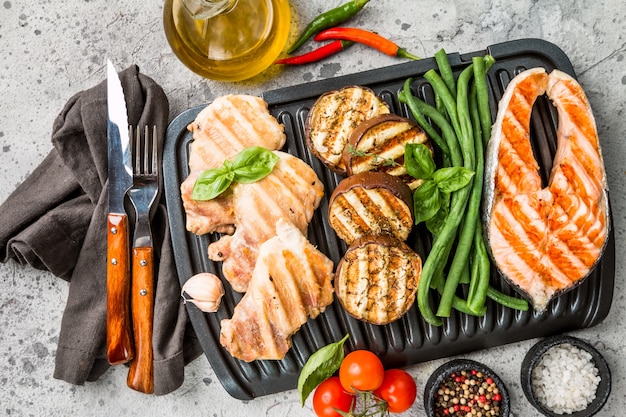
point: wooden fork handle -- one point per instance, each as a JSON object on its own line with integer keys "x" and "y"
{"x": 141, "y": 372}
{"x": 118, "y": 328}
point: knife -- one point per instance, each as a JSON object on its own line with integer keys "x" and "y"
{"x": 118, "y": 327}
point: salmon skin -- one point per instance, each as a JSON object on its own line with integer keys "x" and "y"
{"x": 545, "y": 240}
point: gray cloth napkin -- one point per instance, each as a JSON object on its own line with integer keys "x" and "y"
{"x": 56, "y": 221}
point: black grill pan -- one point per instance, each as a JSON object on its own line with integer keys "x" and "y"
{"x": 409, "y": 340}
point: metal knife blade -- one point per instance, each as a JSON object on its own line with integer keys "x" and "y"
{"x": 118, "y": 332}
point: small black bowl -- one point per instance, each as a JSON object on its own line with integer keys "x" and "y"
{"x": 537, "y": 351}
{"x": 458, "y": 365}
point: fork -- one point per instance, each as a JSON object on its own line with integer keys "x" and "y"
{"x": 143, "y": 194}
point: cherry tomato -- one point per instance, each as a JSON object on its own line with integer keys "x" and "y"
{"x": 361, "y": 370}
{"x": 398, "y": 389}
{"x": 330, "y": 395}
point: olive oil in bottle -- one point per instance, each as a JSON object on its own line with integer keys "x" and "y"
{"x": 227, "y": 40}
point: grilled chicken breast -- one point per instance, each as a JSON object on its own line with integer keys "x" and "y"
{"x": 292, "y": 281}
{"x": 227, "y": 126}
{"x": 334, "y": 116}
{"x": 377, "y": 279}
{"x": 545, "y": 240}
{"x": 291, "y": 191}
{"x": 220, "y": 131}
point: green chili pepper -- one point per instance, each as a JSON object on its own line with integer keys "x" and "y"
{"x": 329, "y": 19}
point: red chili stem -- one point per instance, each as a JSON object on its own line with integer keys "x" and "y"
{"x": 317, "y": 54}
{"x": 365, "y": 37}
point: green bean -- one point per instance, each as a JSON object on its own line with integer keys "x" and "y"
{"x": 481, "y": 66}
{"x": 481, "y": 267}
{"x": 478, "y": 291}
{"x": 466, "y": 234}
{"x": 328, "y": 19}
{"x": 438, "y": 119}
{"x": 479, "y": 286}
{"x": 446, "y": 70}
{"x": 506, "y": 300}
{"x": 439, "y": 276}
{"x": 407, "y": 98}
{"x": 440, "y": 106}
{"x": 449, "y": 102}
{"x": 461, "y": 305}
{"x": 465, "y": 275}
{"x": 466, "y": 138}
{"x": 438, "y": 252}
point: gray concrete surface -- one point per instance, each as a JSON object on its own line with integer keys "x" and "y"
{"x": 51, "y": 50}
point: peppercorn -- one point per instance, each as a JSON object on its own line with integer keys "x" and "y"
{"x": 467, "y": 393}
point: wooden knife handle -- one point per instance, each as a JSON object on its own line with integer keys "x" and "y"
{"x": 118, "y": 329}
{"x": 141, "y": 372}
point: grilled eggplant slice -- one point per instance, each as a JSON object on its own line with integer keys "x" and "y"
{"x": 333, "y": 117}
{"x": 371, "y": 203}
{"x": 377, "y": 279}
{"x": 377, "y": 144}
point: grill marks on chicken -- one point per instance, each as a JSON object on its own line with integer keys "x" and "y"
{"x": 291, "y": 282}
{"x": 292, "y": 192}
{"x": 227, "y": 126}
{"x": 545, "y": 240}
{"x": 220, "y": 131}
{"x": 264, "y": 249}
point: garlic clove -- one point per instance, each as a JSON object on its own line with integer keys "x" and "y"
{"x": 205, "y": 290}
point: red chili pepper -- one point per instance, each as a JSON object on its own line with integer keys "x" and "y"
{"x": 365, "y": 37}
{"x": 317, "y": 54}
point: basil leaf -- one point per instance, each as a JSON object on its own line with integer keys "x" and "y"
{"x": 250, "y": 165}
{"x": 253, "y": 164}
{"x": 211, "y": 183}
{"x": 320, "y": 366}
{"x": 418, "y": 161}
{"x": 426, "y": 202}
{"x": 453, "y": 178}
{"x": 436, "y": 223}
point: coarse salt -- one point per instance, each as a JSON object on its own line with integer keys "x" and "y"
{"x": 565, "y": 379}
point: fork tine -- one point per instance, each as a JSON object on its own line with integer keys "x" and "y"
{"x": 131, "y": 145}
{"x": 155, "y": 151}
{"x": 144, "y": 169}
{"x": 137, "y": 152}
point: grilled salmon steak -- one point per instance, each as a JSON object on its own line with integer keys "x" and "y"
{"x": 545, "y": 240}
